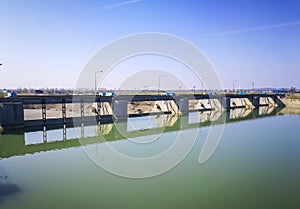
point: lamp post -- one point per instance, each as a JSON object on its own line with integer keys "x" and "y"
{"x": 233, "y": 84}
{"x": 146, "y": 88}
{"x": 202, "y": 82}
{"x": 100, "y": 71}
{"x": 0, "y": 65}
{"x": 160, "y": 76}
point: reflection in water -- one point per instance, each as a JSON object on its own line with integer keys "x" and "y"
{"x": 7, "y": 188}
{"x": 31, "y": 142}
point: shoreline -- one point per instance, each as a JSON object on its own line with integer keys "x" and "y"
{"x": 291, "y": 102}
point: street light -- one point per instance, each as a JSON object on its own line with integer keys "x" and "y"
{"x": 100, "y": 71}
{"x": 233, "y": 84}
{"x": 160, "y": 76}
{"x": 0, "y": 65}
{"x": 202, "y": 82}
{"x": 146, "y": 88}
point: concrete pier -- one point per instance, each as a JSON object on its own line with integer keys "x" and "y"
{"x": 225, "y": 103}
{"x": 12, "y": 115}
{"x": 183, "y": 105}
{"x": 255, "y": 101}
{"x": 278, "y": 101}
{"x": 120, "y": 109}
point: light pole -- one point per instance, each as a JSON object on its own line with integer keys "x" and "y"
{"x": 160, "y": 76}
{"x": 100, "y": 71}
{"x": 146, "y": 88}
{"x": 233, "y": 84}
{"x": 202, "y": 82}
{"x": 0, "y": 65}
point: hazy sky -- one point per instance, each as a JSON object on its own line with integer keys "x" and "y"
{"x": 48, "y": 43}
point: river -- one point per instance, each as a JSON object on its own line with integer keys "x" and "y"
{"x": 254, "y": 164}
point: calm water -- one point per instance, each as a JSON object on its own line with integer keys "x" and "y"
{"x": 256, "y": 165}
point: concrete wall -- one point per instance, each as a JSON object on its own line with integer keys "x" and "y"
{"x": 120, "y": 109}
{"x": 12, "y": 115}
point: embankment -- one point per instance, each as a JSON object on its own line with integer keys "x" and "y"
{"x": 292, "y": 102}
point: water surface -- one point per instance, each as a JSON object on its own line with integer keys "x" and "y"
{"x": 256, "y": 165}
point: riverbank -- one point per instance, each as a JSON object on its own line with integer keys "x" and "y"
{"x": 291, "y": 102}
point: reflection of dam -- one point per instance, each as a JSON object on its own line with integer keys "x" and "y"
{"x": 66, "y": 137}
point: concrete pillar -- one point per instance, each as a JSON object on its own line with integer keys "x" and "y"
{"x": 120, "y": 109}
{"x": 255, "y": 101}
{"x": 183, "y": 106}
{"x": 225, "y": 103}
{"x": 278, "y": 101}
{"x": 12, "y": 115}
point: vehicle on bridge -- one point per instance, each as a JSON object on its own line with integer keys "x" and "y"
{"x": 106, "y": 94}
{"x": 211, "y": 93}
{"x": 279, "y": 91}
{"x": 168, "y": 94}
{"x": 6, "y": 94}
{"x": 241, "y": 93}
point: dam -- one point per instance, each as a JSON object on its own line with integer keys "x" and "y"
{"x": 115, "y": 108}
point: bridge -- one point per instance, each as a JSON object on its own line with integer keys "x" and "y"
{"x": 18, "y": 143}
{"x": 112, "y": 108}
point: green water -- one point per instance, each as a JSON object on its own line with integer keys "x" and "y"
{"x": 256, "y": 165}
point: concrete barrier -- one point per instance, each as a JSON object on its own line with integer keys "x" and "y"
{"x": 12, "y": 115}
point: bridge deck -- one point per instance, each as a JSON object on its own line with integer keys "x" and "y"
{"x": 57, "y": 99}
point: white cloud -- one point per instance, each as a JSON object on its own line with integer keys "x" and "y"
{"x": 259, "y": 28}
{"x": 120, "y": 4}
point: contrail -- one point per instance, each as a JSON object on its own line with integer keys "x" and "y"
{"x": 264, "y": 27}
{"x": 120, "y": 4}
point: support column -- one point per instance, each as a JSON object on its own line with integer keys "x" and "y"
{"x": 12, "y": 115}
{"x": 63, "y": 109}
{"x": 255, "y": 101}
{"x": 120, "y": 109}
{"x": 183, "y": 106}
{"x": 278, "y": 101}
{"x": 98, "y": 111}
{"x": 225, "y": 103}
{"x": 82, "y": 110}
{"x": 44, "y": 115}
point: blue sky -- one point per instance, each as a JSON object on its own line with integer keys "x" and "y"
{"x": 48, "y": 43}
